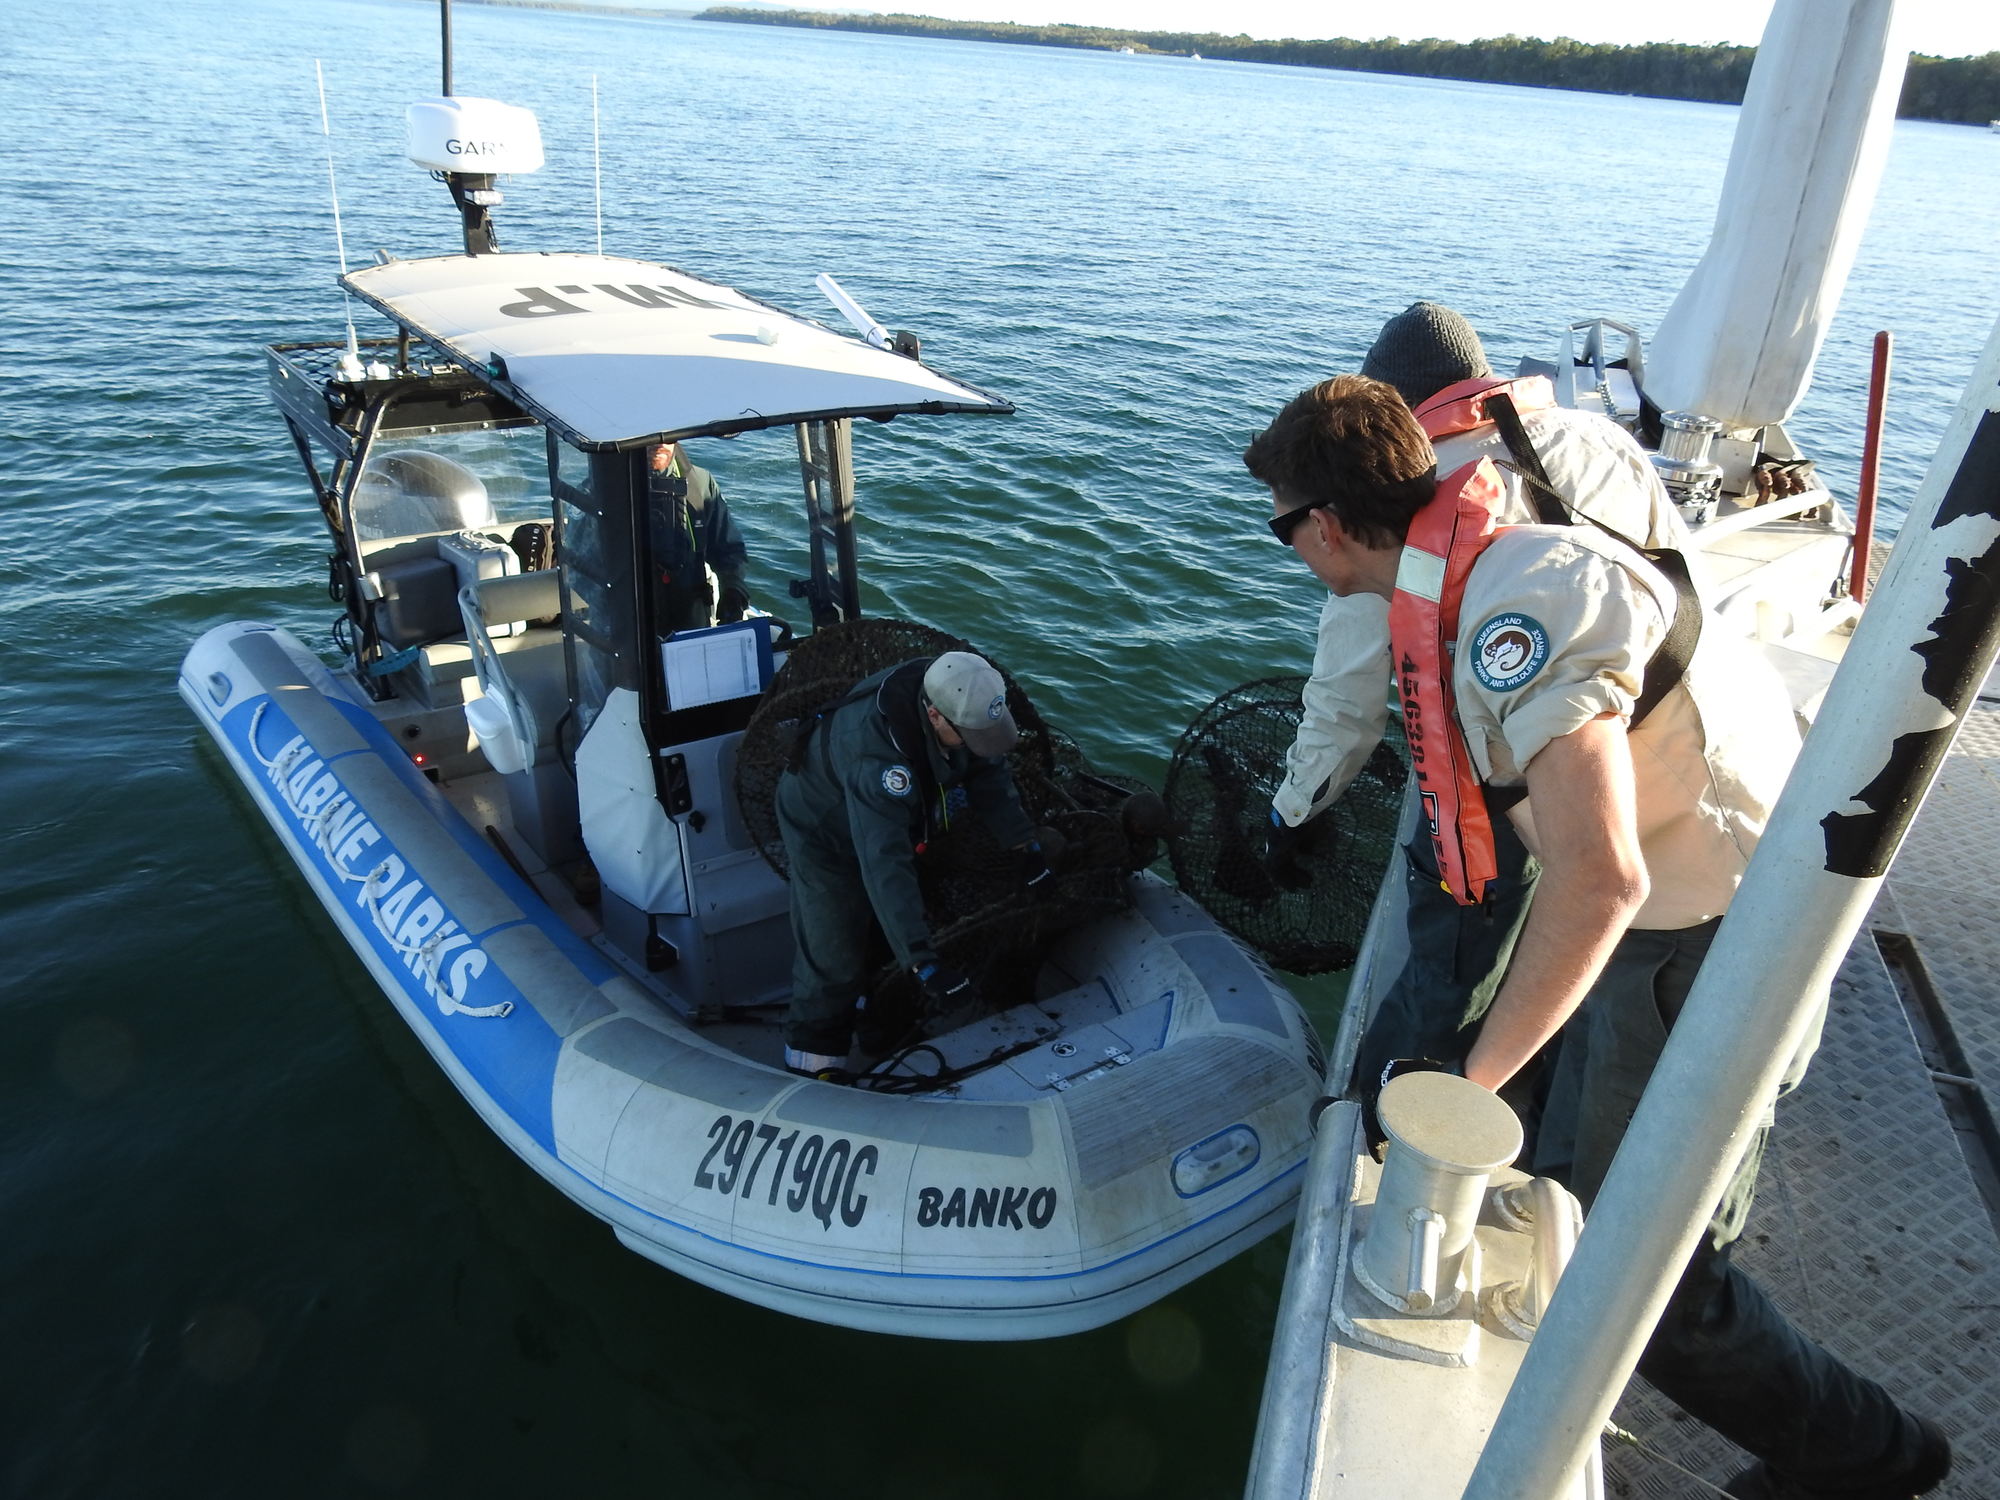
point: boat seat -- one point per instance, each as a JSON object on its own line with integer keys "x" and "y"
{"x": 445, "y": 671}
{"x": 524, "y": 692}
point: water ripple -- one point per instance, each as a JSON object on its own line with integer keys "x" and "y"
{"x": 1147, "y": 258}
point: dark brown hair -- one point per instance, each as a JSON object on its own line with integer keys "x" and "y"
{"x": 1349, "y": 444}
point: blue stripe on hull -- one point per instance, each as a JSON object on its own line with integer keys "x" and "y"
{"x": 512, "y": 1058}
{"x": 411, "y": 928}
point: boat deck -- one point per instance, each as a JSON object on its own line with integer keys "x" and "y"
{"x": 1878, "y": 1203}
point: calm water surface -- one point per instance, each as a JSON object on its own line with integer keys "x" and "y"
{"x": 254, "y": 1243}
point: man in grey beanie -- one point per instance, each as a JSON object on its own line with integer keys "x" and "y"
{"x": 1428, "y": 353}
{"x": 1423, "y": 349}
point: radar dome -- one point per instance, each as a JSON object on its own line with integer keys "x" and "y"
{"x": 473, "y": 135}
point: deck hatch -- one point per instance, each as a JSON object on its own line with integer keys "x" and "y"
{"x": 1177, "y": 1097}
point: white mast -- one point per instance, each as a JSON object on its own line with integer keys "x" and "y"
{"x": 1739, "y": 342}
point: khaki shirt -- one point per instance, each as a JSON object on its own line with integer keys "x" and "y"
{"x": 1556, "y": 627}
{"x": 1590, "y": 459}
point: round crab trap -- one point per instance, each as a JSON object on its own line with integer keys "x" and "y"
{"x": 1095, "y": 829}
{"x": 1306, "y": 914}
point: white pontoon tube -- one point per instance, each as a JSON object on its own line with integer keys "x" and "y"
{"x": 1916, "y": 662}
{"x": 1738, "y": 344}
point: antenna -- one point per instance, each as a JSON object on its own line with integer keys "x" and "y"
{"x": 596, "y": 161}
{"x": 444, "y": 23}
{"x": 350, "y": 362}
{"x": 856, "y": 315}
{"x": 466, "y": 143}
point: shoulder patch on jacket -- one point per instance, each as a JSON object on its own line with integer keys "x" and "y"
{"x": 896, "y": 781}
{"x": 1508, "y": 650}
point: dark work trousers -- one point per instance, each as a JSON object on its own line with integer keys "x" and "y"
{"x": 1722, "y": 1352}
{"x": 835, "y": 942}
{"x": 1458, "y": 955}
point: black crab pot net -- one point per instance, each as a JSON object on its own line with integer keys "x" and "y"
{"x": 1095, "y": 829}
{"x": 1306, "y": 914}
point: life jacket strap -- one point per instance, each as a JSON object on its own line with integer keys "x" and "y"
{"x": 1467, "y": 404}
{"x": 1675, "y": 653}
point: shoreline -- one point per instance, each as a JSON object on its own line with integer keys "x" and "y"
{"x": 1953, "y": 91}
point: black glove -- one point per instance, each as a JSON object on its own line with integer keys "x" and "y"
{"x": 735, "y": 599}
{"x": 946, "y": 988}
{"x": 1283, "y": 847}
{"x": 1037, "y": 879}
{"x": 1396, "y": 1067}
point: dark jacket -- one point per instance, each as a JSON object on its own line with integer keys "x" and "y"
{"x": 872, "y": 786}
{"x": 692, "y": 527}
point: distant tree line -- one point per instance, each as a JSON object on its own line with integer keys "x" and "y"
{"x": 1962, "y": 89}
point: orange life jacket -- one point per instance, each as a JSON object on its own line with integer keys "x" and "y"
{"x": 1446, "y": 537}
{"x": 1458, "y": 524}
{"x": 1462, "y": 407}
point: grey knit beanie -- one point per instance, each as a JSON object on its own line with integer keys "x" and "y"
{"x": 1423, "y": 349}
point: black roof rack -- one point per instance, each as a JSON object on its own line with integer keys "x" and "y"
{"x": 426, "y": 392}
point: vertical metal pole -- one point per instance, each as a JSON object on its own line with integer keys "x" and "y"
{"x": 444, "y": 19}
{"x": 1871, "y": 466}
{"x": 1916, "y": 662}
{"x": 597, "y": 163}
{"x": 840, "y": 453}
{"x": 1289, "y": 1445}
{"x": 813, "y": 470}
{"x": 826, "y": 463}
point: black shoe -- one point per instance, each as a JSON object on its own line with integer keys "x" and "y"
{"x": 1925, "y": 1473}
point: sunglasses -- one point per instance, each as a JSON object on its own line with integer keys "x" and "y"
{"x": 1283, "y": 526}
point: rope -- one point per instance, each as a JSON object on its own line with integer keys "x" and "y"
{"x": 881, "y": 1080}
{"x": 373, "y": 885}
{"x": 1632, "y": 1440}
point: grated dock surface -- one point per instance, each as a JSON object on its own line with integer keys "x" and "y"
{"x": 1942, "y": 893}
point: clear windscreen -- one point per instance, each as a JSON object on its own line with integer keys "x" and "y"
{"x": 446, "y": 482}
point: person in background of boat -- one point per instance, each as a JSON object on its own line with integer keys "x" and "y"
{"x": 1642, "y": 834}
{"x": 1435, "y": 1008}
{"x": 875, "y": 777}
{"x": 697, "y": 551}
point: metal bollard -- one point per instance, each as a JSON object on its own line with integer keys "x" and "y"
{"x": 1445, "y": 1136}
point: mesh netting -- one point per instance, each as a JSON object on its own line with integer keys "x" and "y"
{"x": 1308, "y": 916}
{"x": 1095, "y": 829}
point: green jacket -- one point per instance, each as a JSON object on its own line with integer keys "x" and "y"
{"x": 692, "y": 527}
{"x": 872, "y": 786}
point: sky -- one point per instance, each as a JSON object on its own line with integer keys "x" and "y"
{"x": 1945, "y": 28}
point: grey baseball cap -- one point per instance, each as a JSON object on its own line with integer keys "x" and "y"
{"x": 969, "y": 692}
{"x": 1423, "y": 349}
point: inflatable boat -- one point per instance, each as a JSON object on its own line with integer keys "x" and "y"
{"x": 521, "y": 800}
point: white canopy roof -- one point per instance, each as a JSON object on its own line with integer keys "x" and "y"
{"x": 609, "y": 351}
